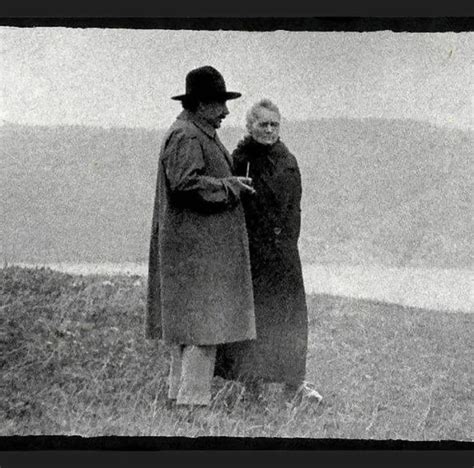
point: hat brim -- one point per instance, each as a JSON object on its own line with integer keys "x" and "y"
{"x": 227, "y": 96}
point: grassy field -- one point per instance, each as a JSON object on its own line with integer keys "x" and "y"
{"x": 74, "y": 361}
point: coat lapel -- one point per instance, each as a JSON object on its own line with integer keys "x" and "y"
{"x": 211, "y": 133}
{"x": 224, "y": 150}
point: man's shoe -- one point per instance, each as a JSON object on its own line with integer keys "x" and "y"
{"x": 306, "y": 392}
{"x": 309, "y": 393}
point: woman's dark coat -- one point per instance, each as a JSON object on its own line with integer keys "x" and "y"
{"x": 199, "y": 283}
{"x": 273, "y": 219}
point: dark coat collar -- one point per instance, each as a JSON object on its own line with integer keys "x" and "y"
{"x": 277, "y": 153}
{"x": 249, "y": 144}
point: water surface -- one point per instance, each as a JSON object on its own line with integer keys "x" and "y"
{"x": 438, "y": 289}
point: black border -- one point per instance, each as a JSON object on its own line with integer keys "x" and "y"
{"x": 341, "y": 23}
{"x": 321, "y": 16}
{"x": 38, "y": 443}
{"x": 246, "y": 458}
{"x": 240, "y": 8}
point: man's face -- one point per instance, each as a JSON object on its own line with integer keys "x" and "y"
{"x": 213, "y": 112}
{"x": 266, "y": 127}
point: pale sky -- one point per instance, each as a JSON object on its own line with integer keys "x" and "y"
{"x": 120, "y": 77}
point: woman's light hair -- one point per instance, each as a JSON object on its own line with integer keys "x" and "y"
{"x": 262, "y": 104}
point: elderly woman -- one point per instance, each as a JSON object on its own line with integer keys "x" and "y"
{"x": 273, "y": 218}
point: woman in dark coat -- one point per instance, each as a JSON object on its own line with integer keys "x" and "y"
{"x": 273, "y": 219}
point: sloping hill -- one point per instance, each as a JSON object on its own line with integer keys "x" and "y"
{"x": 391, "y": 192}
{"x": 379, "y": 191}
{"x": 78, "y": 193}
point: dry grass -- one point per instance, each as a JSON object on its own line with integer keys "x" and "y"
{"x": 74, "y": 361}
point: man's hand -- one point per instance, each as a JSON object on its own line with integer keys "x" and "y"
{"x": 245, "y": 185}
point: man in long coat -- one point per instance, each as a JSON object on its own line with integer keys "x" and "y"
{"x": 199, "y": 285}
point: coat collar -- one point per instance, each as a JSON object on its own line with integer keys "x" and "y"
{"x": 204, "y": 126}
{"x": 276, "y": 154}
{"x": 208, "y": 130}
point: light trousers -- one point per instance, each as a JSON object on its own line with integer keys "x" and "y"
{"x": 191, "y": 372}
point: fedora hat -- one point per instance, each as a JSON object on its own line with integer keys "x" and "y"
{"x": 206, "y": 84}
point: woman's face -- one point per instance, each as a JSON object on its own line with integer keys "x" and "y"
{"x": 265, "y": 129}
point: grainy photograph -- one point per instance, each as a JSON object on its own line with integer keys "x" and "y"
{"x": 236, "y": 233}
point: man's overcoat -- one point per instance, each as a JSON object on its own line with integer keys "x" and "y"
{"x": 199, "y": 284}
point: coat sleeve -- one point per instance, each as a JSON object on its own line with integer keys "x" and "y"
{"x": 184, "y": 167}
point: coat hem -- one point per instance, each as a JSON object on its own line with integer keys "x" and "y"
{"x": 206, "y": 342}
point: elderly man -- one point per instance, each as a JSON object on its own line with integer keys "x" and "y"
{"x": 199, "y": 286}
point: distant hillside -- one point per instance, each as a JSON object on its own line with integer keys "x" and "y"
{"x": 393, "y": 192}
{"x": 396, "y": 192}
